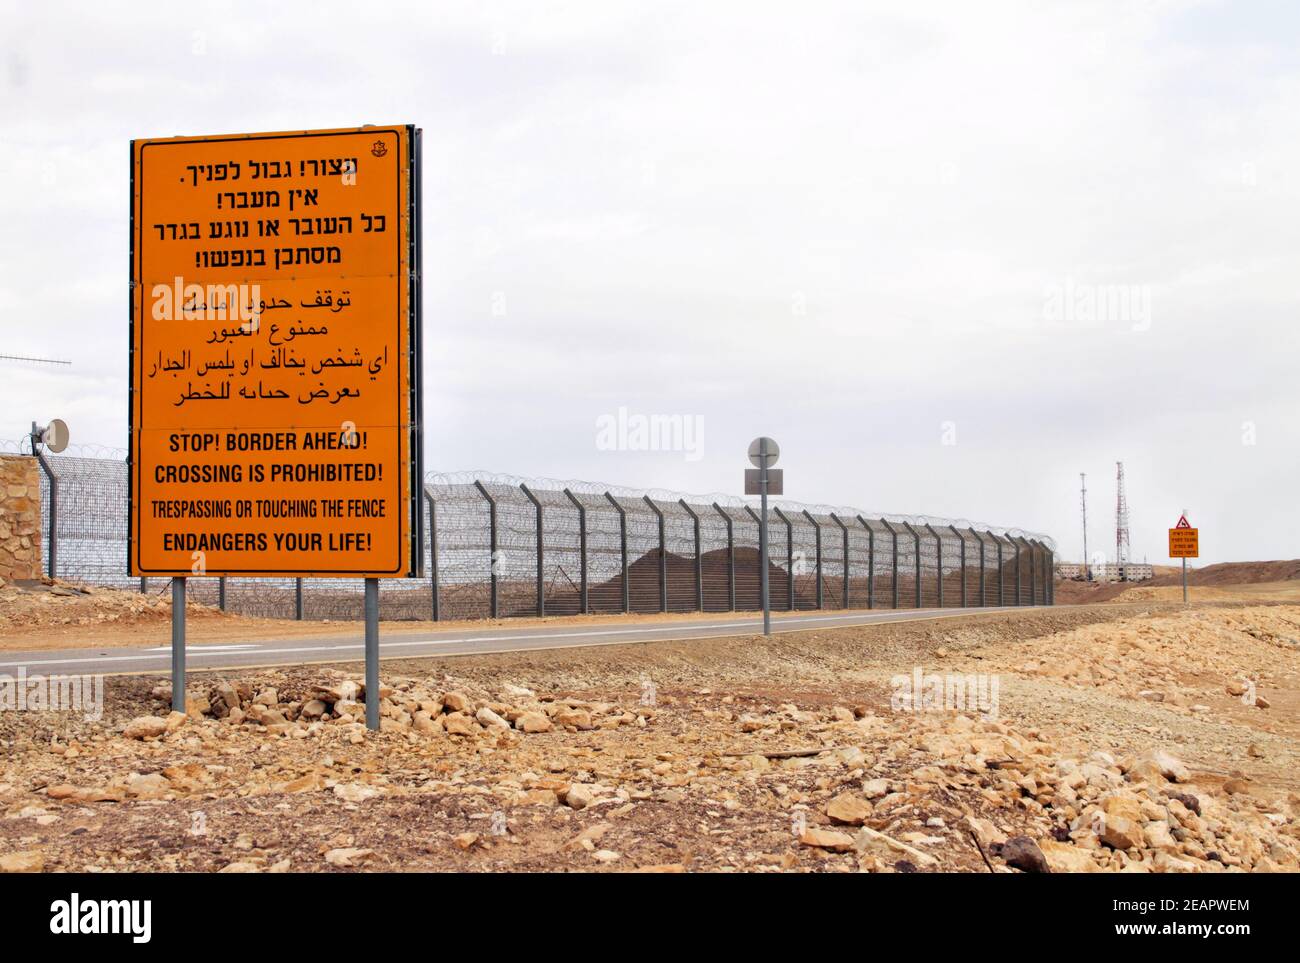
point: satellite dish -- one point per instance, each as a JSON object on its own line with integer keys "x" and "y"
{"x": 55, "y": 435}
{"x": 763, "y": 452}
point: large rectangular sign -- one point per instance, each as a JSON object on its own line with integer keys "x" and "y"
{"x": 275, "y": 354}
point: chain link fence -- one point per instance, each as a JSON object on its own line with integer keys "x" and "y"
{"x": 500, "y": 546}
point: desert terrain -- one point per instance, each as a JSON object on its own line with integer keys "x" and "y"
{"x": 1130, "y": 736}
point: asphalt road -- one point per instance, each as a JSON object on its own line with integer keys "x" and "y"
{"x": 350, "y": 647}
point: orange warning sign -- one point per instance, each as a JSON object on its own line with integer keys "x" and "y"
{"x": 1184, "y": 540}
{"x": 275, "y": 363}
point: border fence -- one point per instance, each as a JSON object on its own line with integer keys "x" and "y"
{"x": 501, "y": 546}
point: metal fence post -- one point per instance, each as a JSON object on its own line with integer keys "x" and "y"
{"x": 938, "y": 553}
{"x": 663, "y": 554}
{"x": 1033, "y": 571}
{"x": 871, "y": 563}
{"x": 1002, "y": 579}
{"x": 582, "y": 550}
{"x": 962, "y": 540}
{"x": 916, "y": 545}
{"x": 844, "y": 545}
{"x": 789, "y": 552}
{"x": 1012, "y": 540}
{"x": 144, "y": 586}
{"x": 493, "y": 589}
{"x": 221, "y": 593}
{"x": 699, "y": 557}
{"x": 53, "y": 522}
{"x": 1051, "y": 576}
{"x": 622, "y": 538}
{"x": 731, "y": 559}
{"x": 433, "y": 553}
{"x": 754, "y": 515}
{"x": 893, "y": 533}
{"x": 541, "y": 552}
{"x": 297, "y": 599}
{"x": 817, "y": 530}
{"x": 980, "y": 542}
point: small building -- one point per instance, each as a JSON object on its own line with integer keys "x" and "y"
{"x": 1110, "y": 572}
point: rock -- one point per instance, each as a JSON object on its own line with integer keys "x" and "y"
{"x": 875, "y": 788}
{"x": 313, "y": 709}
{"x": 459, "y": 724}
{"x": 27, "y": 861}
{"x": 849, "y": 808}
{"x": 869, "y": 841}
{"x": 145, "y": 727}
{"x": 348, "y": 857}
{"x": 465, "y": 840}
{"x": 533, "y": 722}
{"x": 985, "y": 831}
{"x": 1023, "y": 853}
{"x": 1157, "y": 762}
{"x": 456, "y": 702}
{"x": 580, "y": 719}
{"x": 606, "y": 856}
{"x": 426, "y": 724}
{"x": 241, "y": 867}
{"x": 1156, "y": 835}
{"x": 1262, "y": 703}
{"x": 355, "y": 792}
{"x": 1120, "y": 832}
{"x": 152, "y": 786}
{"x": 1067, "y": 858}
{"x": 826, "y": 839}
{"x": 579, "y": 796}
{"x": 1235, "y": 786}
{"x": 267, "y": 697}
{"x": 489, "y": 719}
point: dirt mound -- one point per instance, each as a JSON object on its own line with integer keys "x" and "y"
{"x": 1234, "y": 573}
{"x": 51, "y": 602}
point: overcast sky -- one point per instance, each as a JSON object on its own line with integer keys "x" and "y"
{"x": 949, "y": 255}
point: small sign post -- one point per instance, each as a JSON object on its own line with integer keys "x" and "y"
{"x": 763, "y": 453}
{"x": 1184, "y": 543}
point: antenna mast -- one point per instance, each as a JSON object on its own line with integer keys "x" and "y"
{"x": 1083, "y": 505}
{"x": 1121, "y": 522}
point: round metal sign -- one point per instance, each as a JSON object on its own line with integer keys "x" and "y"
{"x": 763, "y": 452}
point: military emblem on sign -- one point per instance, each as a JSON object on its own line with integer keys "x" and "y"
{"x": 379, "y": 149}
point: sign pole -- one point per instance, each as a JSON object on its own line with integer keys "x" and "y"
{"x": 761, "y": 481}
{"x": 1184, "y": 581}
{"x": 762, "y": 549}
{"x": 372, "y": 654}
{"x": 178, "y": 645}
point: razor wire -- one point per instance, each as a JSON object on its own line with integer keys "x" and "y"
{"x": 500, "y": 546}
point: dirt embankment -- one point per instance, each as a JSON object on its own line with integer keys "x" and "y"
{"x": 1120, "y": 740}
{"x": 1227, "y": 581}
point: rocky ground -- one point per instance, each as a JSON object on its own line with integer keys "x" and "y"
{"x": 1115, "y": 739}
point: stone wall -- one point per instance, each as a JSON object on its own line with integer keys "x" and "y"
{"x": 20, "y": 517}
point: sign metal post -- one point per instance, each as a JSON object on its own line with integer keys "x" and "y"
{"x": 763, "y": 453}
